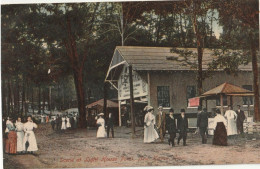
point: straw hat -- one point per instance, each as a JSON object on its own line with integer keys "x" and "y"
{"x": 101, "y": 114}
{"x": 149, "y": 108}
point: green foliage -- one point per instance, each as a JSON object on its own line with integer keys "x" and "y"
{"x": 34, "y": 37}
{"x": 229, "y": 61}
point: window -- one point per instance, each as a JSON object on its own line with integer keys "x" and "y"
{"x": 163, "y": 96}
{"x": 247, "y": 100}
{"x": 191, "y": 92}
{"x": 224, "y": 101}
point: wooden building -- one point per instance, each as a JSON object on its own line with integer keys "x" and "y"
{"x": 161, "y": 77}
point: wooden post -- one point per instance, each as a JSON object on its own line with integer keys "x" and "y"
{"x": 119, "y": 111}
{"x": 149, "y": 92}
{"x": 221, "y": 104}
{"x": 105, "y": 101}
{"x": 206, "y": 103}
{"x": 132, "y": 101}
{"x": 231, "y": 102}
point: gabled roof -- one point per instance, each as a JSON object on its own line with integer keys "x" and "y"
{"x": 110, "y": 104}
{"x": 158, "y": 59}
{"x": 228, "y": 89}
{"x": 155, "y": 58}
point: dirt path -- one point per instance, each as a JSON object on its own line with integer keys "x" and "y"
{"x": 81, "y": 148}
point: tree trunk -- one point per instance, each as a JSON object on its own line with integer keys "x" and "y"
{"x": 122, "y": 26}
{"x": 39, "y": 99}
{"x": 26, "y": 97}
{"x": 211, "y": 29}
{"x": 255, "y": 79}
{"x": 9, "y": 98}
{"x": 44, "y": 99}
{"x": 16, "y": 97}
{"x": 49, "y": 99}
{"x": 158, "y": 30}
{"x": 23, "y": 98}
{"x": 63, "y": 95}
{"x": 199, "y": 49}
{"x": 11, "y": 105}
{"x": 78, "y": 74}
{"x": 32, "y": 105}
{"x": 182, "y": 34}
{"x": 4, "y": 111}
{"x": 179, "y": 32}
{"x": 78, "y": 79}
{"x": 59, "y": 101}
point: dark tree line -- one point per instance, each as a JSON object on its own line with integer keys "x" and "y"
{"x": 76, "y": 42}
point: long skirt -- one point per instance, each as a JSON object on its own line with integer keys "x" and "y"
{"x": 20, "y": 136}
{"x": 68, "y": 125}
{"x": 11, "y": 143}
{"x": 101, "y": 133}
{"x": 63, "y": 125}
{"x": 231, "y": 127}
{"x": 30, "y": 138}
{"x": 150, "y": 134}
{"x": 220, "y": 135}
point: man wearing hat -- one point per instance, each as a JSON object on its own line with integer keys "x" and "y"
{"x": 161, "y": 122}
{"x": 182, "y": 127}
{"x": 171, "y": 127}
{"x": 240, "y": 120}
{"x": 110, "y": 124}
{"x": 202, "y": 123}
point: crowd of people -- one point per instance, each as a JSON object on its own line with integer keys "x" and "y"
{"x": 19, "y": 138}
{"x": 61, "y": 123}
{"x": 156, "y": 126}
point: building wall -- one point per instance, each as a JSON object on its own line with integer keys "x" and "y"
{"x": 178, "y": 82}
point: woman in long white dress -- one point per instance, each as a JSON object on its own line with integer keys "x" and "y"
{"x": 63, "y": 124}
{"x": 231, "y": 121}
{"x": 29, "y": 136}
{"x": 150, "y": 134}
{"x": 20, "y": 135}
{"x": 68, "y": 125}
{"x": 101, "y": 132}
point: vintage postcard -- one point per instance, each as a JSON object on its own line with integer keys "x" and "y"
{"x": 103, "y": 84}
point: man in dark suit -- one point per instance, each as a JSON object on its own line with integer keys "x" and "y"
{"x": 53, "y": 121}
{"x": 202, "y": 123}
{"x": 182, "y": 127}
{"x": 57, "y": 122}
{"x": 171, "y": 127}
{"x": 110, "y": 125}
{"x": 240, "y": 120}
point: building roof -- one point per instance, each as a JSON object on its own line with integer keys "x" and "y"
{"x": 159, "y": 59}
{"x": 110, "y": 104}
{"x": 228, "y": 89}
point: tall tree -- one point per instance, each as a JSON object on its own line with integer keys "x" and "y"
{"x": 245, "y": 14}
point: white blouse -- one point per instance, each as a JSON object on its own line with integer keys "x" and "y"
{"x": 219, "y": 118}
